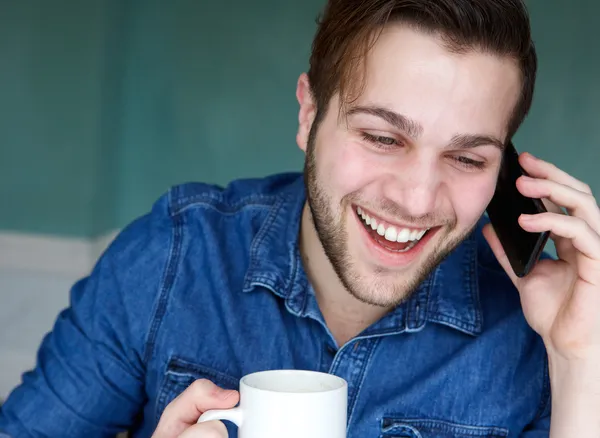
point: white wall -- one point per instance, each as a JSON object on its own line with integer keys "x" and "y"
{"x": 29, "y": 304}
{"x": 36, "y": 275}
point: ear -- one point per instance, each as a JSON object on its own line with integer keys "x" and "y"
{"x": 307, "y": 112}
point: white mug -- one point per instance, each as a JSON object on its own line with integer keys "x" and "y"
{"x": 288, "y": 403}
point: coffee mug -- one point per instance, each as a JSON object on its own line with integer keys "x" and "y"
{"x": 288, "y": 403}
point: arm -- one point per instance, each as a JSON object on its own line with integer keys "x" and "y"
{"x": 90, "y": 371}
{"x": 575, "y": 402}
{"x": 561, "y": 298}
{"x": 576, "y": 397}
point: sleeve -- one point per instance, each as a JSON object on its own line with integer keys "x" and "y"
{"x": 88, "y": 380}
{"x": 540, "y": 427}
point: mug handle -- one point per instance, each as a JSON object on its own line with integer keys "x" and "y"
{"x": 235, "y": 415}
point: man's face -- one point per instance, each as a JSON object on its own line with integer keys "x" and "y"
{"x": 400, "y": 178}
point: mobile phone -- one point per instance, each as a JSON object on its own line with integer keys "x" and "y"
{"x": 522, "y": 248}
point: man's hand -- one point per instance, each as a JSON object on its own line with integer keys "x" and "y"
{"x": 180, "y": 416}
{"x": 561, "y": 298}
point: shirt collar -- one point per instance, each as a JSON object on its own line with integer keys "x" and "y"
{"x": 274, "y": 254}
{"x": 449, "y": 296}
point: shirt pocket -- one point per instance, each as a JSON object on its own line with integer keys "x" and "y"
{"x": 392, "y": 427}
{"x": 180, "y": 374}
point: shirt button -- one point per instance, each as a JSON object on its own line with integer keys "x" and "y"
{"x": 331, "y": 350}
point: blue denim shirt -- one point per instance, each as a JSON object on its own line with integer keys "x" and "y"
{"x": 210, "y": 284}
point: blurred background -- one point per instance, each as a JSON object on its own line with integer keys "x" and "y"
{"x": 104, "y": 104}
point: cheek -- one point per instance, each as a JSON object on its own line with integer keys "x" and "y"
{"x": 344, "y": 168}
{"x": 471, "y": 196}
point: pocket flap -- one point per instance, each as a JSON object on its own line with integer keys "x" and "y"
{"x": 181, "y": 373}
{"x": 392, "y": 427}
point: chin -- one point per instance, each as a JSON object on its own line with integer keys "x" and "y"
{"x": 381, "y": 283}
{"x": 385, "y": 294}
{"x": 384, "y": 287}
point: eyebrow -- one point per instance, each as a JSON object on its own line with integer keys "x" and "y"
{"x": 403, "y": 123}
{"x": 414, "y": 129}
{"x": 473, "y": 141}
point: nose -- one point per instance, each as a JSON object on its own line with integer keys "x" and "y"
{"x": 415, "y": 185}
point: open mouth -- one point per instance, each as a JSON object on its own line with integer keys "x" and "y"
{"x": 393, "y": 238}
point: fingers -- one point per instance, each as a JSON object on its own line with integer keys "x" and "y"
{"x": 185, "y": 410}
{"x": 582, "y": 236}
{"x": 542, "y": 169}
{"x": 577, "y": 203}
{"x": 496, "y": 246}
{"x": 551, "y": 206}
{"x": 560, "y": 190}
{"x": 209, "y": 429}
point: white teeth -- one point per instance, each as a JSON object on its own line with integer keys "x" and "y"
{"x": 364, "y": 215}
{"x": 390, "y": 234}
{"x": 404, "y": 235}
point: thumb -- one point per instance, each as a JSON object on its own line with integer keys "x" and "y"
{"x": 184, "y": 411}
{"x": 209, "y": 429}
{"x": 492, "y": 239}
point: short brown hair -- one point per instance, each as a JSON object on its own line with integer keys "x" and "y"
{"x": 347, "y": 29}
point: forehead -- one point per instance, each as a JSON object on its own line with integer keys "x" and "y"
{"x": 412, "y": 73}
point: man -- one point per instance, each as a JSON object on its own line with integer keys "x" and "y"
{"x": 372, "y": 265}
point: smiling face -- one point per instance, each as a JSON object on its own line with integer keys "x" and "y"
{"x": 400, "y": 177}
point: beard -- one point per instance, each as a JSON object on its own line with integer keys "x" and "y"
{"x": 383, "y": 288}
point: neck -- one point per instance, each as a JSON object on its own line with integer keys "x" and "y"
{"x": 345, "y": 315}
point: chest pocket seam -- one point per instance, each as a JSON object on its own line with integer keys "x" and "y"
{"x": 424, "y": 427}
{"x": 181, "y": 373}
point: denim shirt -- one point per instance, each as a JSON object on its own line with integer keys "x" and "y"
{"x": 210, "y": 284}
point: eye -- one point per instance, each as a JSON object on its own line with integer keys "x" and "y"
{"x": 381, "y": 141}
{"x": 469, "y": 163}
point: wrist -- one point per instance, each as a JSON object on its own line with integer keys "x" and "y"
{"x": 576, "y": 377}
{"x": 575, "y": 387}
{"x": 584, "y": 368}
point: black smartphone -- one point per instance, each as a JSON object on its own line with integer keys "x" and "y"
{"x": 522, "y": 247}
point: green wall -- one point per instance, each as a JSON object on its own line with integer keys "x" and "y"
{"x": 210, "y": 93}
{"x": 564, "y": 124}
{"x": 51, "y": 66}
{"x": 105, "y": 104}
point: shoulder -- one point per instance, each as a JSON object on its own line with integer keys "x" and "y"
{"x": 185, "y": 205}
{"x": 235, "y": 196}
{"x": 195, "y": 222}
{"x": 150, "y": 247}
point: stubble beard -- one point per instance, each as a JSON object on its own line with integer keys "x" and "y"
{"x": 383, "y": 288}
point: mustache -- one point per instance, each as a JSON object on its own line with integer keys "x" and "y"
{"x": 397, "y": 212}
